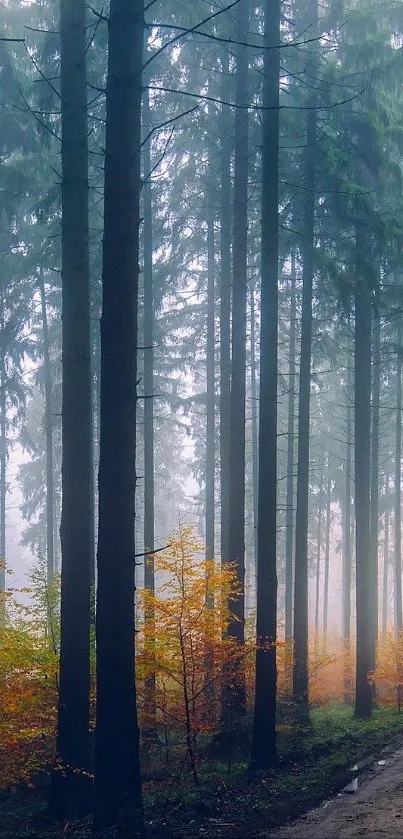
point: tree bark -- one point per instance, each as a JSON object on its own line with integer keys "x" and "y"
{"x": 50, "y": 560}
{"x": 318, "y": 557}
{"x": 148, "y": 330}
{"x": 300, "y": 672}
{"x": 117, "y": 765}
{"x": 210, "y": 396}
{"x": 385, "y": 575}
{"x": 255, "y": 431}
{"x": 3, "y": 475}
{"x": 289, "y": 533}
{"x": 398, "y": 491}
{"x": 346, "y": 582}
{"x": 225, "y": 308}
{"x": 362, "y": 415}
{"x": 264, "y": 718}
{"x": 374, "y": 510}
{"x": 210, "y": 447}
{"x": 327, "y": 559}
{"x": 234, "y": 697}
{"x": 69, "y": 789}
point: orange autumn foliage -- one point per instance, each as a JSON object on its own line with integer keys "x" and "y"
{"x": 388, "y": 674}
{"x": 28, "y": 680}
{"x": 185, "y": 647}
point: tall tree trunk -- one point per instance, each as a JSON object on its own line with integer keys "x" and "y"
{"x": 327, "y": 557}
{"x": 210, "y": 397}
{"x": 264, "y": 718}
{"x": 289, "y": 528}
{"x": 362, "y": 415}
{"x": 374, "y": 510}
{"x": 255, "y": 432}
{"x": 69, "y": 789}
{"x": 318, "y": 555}
{"x": 3, "y": 481}
{"x": 385, "y": 574}
{"x": 398, "y": 490}
{"x": 117, "y": 764}
{"x": 300, "y": 672}
{"x": 148, "y": 330}
{"x": 225, "y": 307}
{"x": 210, "y": 446}
{"x": 50, "y": 562}
{"x": 346, "y": 582}
{"x": 234, "y": 697}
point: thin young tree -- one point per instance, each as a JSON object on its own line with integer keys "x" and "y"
{"x": 264, "y": 718}
{"x": 385, "y": 567}
{"x": 225, "y": 304}
{"x": 300, "y": 671}
{"x": 233, "y": 694}
{"x": 362, "y": 442}
{"x": 327, "y": 557}
{"x": 398, "y": 487}
{"x": 289, "y": 533}
{"x": 3, "y": 467}
{"x": 374, "y": 500}
{"x": 117, "y": 765}
{"x": 69, "y": 788}
{"x": 255, "y": 427}
{"x": 210, "y": 393}
{"x": 318, "y": 554}
{"x": 346, "y": 575}
{"x": 50, "y": 524}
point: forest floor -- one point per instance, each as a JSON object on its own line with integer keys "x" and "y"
{"x": 314, "y": 767}
{"x": 375, "y": 810}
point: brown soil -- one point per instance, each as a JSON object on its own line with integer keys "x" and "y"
{"x": 375, "y": 811}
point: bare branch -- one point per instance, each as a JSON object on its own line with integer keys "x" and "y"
{"x": 189, "y": 31}
{"x": 168, "y": 122}
{"x": 42, "y": 74}
{"x": 159, "y": 161}
{"x": 40, "y": 121}
{"x": 258, "y": 108}
{"x": 99, "y": 15}
{"x": 151, "y": 553}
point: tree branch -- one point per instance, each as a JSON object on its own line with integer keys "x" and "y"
{"x": 168, "y": 122}
{"x": 189, "y": 31}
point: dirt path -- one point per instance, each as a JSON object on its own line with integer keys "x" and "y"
{"x": 375, "y": 811}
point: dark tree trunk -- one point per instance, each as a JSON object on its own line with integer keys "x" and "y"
{"x": 346, "y": 582}
{"x": 255, "y": 432}
{"x": 117, "y": 765}
{"x": 362, "y": 415}
{"x": 374, "y": 510}
{"x": 398, "y": 491}
{"x": 234, "y": 698}
{"x": 148, "y": 330}
{"x": 385, "y": 575}
{"x": 289, "y": 532}
{"x": 225, "y": 308}
{"x": 264, "y": 718}
{"x": 300, "y": 672}
{"x": 69, "y": 789}
{"x": 50, "y": 516}
{"x": 327, "y": 559}
{"x": 318, "y": 556}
